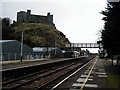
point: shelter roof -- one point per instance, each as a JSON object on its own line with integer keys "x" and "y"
{"x": 4, "y": 41}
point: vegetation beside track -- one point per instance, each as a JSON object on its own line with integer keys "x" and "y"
{"x": 113, "y": 73}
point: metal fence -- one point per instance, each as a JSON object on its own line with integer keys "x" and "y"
{"x": 25, "y": 56}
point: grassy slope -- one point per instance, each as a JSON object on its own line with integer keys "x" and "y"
{"x": 37, "y": 34}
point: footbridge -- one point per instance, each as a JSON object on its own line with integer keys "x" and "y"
{"x": 84, "y": 45}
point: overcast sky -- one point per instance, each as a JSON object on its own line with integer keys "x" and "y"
{"x": 79, "y": 20}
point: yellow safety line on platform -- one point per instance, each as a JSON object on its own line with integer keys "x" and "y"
{"x": 82, "y": 86}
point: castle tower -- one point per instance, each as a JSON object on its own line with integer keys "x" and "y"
{"x": 50, "y": 17}
{"x": 21, "y": 17}
{"x": 28, "y": 16}
{"x": 29, "y": 12}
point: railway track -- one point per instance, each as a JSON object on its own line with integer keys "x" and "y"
{"x": 40, "y": 79}
{"x": 16, "y": 72}
{"x": 59, "y": 80}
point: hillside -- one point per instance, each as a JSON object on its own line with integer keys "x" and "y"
{"x": 38, "y": 34}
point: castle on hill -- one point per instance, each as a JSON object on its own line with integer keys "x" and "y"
{"x": 27, "y": 17}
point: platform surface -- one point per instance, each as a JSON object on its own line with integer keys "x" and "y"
{"x": 7, "y": 65}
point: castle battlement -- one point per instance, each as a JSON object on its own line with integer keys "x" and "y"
{"x": 27, "y": 17}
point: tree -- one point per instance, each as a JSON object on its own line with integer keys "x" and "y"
{"x": 6, "y": 30}
{"x": 111, "y": 32}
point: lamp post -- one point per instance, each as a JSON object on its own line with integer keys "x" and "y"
{"x": 55, "y": 48}
{"x": 21, "y": 46}
{"x": 56, "y": 45}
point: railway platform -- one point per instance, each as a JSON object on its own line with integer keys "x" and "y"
{"x": 9, "y": 65}
{"x": 92, "y": 76}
